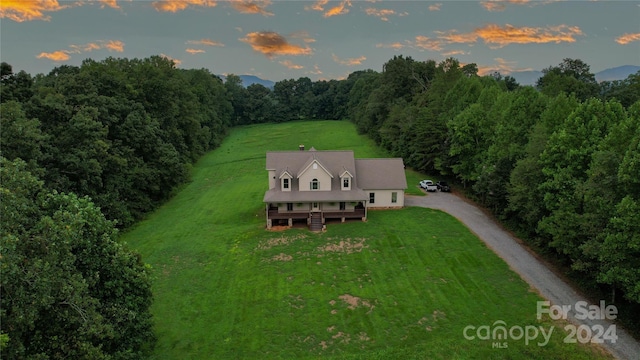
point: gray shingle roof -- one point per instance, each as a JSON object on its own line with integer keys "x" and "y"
{"x": 369, "y": 174}
{"x": 381, "y": 174}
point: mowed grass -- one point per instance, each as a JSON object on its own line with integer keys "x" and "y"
{"x": 403, "y": 285}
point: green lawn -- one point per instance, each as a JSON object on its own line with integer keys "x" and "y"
{"x": 403, "y": 285}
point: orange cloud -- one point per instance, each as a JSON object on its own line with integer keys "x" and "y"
{"x": 502, "y": 36}
{"x": 114, "y": 45}
{"x": 195, "y": 51}
{"x": 252, "y": 7}
{"x": 426, "y": 43}
{"x": 338, "y": 10}
{"x": 271, "y": 43}
{"x": 435, "y": 7}
{"x": 349, "y": 62}
{"x": 84, "y": 48}
{"x": 23, "y": 10}
{"x": 179, "y": 5}
{"x": 110, "y": 3}
{"x": 111, "y": 45}
{"x": 383, "y": 14}
{"x": 207, "y": 42}
{"x": 500, "y": 5}
{"x": 453, "y": 37}
{"x": 627, "y": 38}
{"x": 60, "y": 55}
{"x": 291, "y": 65}
{"x": 317, "y": 6}
{"x": 395, "y": 45}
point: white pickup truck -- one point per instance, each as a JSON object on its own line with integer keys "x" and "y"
{"x": 428, "y": 185}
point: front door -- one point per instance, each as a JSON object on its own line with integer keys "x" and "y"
{"x": 315, "y": 207}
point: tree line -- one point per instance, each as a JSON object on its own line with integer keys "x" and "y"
{"x": 92, "y": 148}
{"x": 559, "y": 162}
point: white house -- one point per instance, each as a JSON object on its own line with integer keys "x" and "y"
{"x": 312, "y": 186}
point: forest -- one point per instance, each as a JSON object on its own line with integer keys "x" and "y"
{"x": 88, "y": 150}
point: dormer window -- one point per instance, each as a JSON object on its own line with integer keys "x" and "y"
{"x": 315, "y": 184}
{"x": 345, "y": 183}
{"x": 285, "y": 181}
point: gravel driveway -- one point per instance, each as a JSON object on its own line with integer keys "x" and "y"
{"x": 531, "y": 269}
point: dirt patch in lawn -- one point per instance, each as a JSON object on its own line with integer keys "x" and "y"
{"x": 353, "y": 302}
{"x": 346, "y": 246}
{"x": 279, "y": 241}
{"x": 279, "y": 257}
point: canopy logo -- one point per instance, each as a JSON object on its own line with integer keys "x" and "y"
{"x": 500, "y": 334}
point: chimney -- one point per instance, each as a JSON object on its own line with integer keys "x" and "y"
{"x": 301, "y": 147}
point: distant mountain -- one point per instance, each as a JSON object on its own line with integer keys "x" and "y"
{"x": 616, "y": 73}
{"x": 248, "y": 80}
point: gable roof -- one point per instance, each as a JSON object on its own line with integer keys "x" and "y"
{"x": 311, "y": 162}
{"x": 334, "y": 162}
{"x": 380, "y": 174}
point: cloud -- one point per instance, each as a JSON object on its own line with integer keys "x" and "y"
{"x": 453, "y": 53}
{"x": 349, "y": 62}
{"x": 317, "y": 6}
{"x": 114, "y": 45}
{"x": 338, "y": 10}
{"x": 271, "y": 43}
{"x": 252, "y": 7}
{"x": 291, "y": 65}
{"x": 423, "y": 42}
{"x": 206, "y": 42}
{"x": 499, "y": 36}
{"x": 63, "y": 55}
{"x": 110, "y": 3}
{"x": 179, "y": 5}
{"x": 195, "y": 51}
{"x": 435, "y": 7}
{"x": 500, "y": 5}
{"x": 316, "y": 70}
{"x": 23, "y": 10}
{"x": 383, "y": 14}
{"x": 60, "y": 55}
{"x": 502, "y": 36}
{"x": 77, "y": 49}
{"x": 395, "y": 45}
{"x": 627, "y": 38}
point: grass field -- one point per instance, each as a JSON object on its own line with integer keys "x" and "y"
{"x": 403, "y": 285}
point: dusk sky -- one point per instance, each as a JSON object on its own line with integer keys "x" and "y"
{"x": 322, "y": 39}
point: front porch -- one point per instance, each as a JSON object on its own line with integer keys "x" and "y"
{"x": 312, "y": 216}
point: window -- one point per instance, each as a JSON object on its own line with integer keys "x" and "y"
{"x": 285, "y": 183}
{"x": 345, "y": 183}
{"x": 289, "y": 206}
{"x": 372, "y": 198}
{"x": 315, "y": 184}
{"x": 394, "y": 197}
{"x": 343, "y": 205}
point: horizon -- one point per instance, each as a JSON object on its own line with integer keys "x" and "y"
{"x": 321, "y": 39}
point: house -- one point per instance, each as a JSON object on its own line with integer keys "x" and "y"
{"x": 313, "y": 186}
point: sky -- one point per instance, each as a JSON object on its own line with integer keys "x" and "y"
{"x": 319, "y": 39}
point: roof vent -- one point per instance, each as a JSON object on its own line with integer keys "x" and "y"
{"x": 301, "y": 147}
